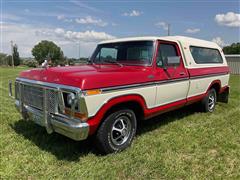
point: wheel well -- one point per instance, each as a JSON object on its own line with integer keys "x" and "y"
{"x": 133, "y": 105}
{"x": 216, "y": 86}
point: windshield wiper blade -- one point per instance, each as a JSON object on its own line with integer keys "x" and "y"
{"x": 112, "y": 61}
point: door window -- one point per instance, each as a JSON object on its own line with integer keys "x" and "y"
{"x": 166, "y": 54}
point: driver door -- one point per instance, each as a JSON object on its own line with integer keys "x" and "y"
{"x": 171, "y": 75}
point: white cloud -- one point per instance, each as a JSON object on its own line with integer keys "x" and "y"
{"x": 86, "y": 20}
{"x": 132, "y": 13}
{"x": 26, "y": 36}
{"x": 91, "y": 20}
{"x": 229, "y": 19}
{"x": 87, "y": 36}
{"x": 192, "y": 30}
{"x": 62, "y": 17}
{"x": 219, "y": 41}
{"x": 163, "y": 25}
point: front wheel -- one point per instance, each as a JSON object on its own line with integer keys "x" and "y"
{"x": 117, "y": 131}
{"x": 209, "y": 102}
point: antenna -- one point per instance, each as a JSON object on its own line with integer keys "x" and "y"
{"x": 168, "y": 29}
{"x": 79, "y": 50}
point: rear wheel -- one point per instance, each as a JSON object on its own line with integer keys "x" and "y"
{"x": 117, "y": 131}
{"x": 209, "y": 102}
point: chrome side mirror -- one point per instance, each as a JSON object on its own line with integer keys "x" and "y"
{"x": 173, "y": 60}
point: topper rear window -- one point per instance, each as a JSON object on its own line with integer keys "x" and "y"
{"x": 203, "y": 55}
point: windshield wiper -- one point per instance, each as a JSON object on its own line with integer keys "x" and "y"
{"x": 112, "y": 61}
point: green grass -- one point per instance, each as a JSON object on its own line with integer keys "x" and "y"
{"x": 183, "y": 144}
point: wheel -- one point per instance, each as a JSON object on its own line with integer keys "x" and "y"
{"x": 117, "y": 131}
{"x": 209, "y": 102}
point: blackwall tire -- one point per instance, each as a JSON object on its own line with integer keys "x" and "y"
{"x": 116, "y": 132}
{"x": 209, "y": 102}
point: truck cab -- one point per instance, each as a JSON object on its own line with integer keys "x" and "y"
{"x": 125, "y": 81}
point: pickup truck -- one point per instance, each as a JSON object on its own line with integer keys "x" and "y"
{"x": 126, "y": 80}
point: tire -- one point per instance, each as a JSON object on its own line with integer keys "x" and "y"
{"x": 117, "y": 131}
{"x": 209, "y": 102}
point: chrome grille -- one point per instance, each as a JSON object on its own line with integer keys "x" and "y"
{"x": 51, "y": 101}
{"x": 34, "y": 96}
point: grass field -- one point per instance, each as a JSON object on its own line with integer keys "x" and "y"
{"x": 183, "y": 144}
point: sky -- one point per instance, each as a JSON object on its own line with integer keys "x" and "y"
{"x": 77, "y": 26}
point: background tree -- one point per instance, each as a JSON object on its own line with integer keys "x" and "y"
{"x": 16, "y": 58}
{"x": 5, "y": 60}
{"x": 48, "y": 50}
{"x": 232, "y": 49}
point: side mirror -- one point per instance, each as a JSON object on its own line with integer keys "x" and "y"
{"x": 173, "y": 60}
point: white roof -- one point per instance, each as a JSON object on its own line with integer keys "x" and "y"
{"x": 182, "y": 39}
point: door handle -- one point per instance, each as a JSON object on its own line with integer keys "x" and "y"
{"x": 182, "y": 73}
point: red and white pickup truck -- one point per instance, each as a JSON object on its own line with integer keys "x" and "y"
{"x": 126, "y": 80}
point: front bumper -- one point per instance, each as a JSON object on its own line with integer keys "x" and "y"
{"x": 67, "y": 126}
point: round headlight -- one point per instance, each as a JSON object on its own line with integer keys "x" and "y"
{"x": 71, "y": 99}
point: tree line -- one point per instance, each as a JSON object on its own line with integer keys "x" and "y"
{"x": 44, "y": 50}
{"x": 48, "y": 50}
{"x": 9, "y": 60}
{"x": 234, "y": 48}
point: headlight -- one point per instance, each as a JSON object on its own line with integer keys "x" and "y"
{"x": 71, "y": 99}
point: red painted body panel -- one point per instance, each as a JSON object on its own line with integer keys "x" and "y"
{"x": 97, "y": 76}
{"x": 170, "y": 72}
{"x": 208, "y": 71}
{"x": 91, "y": 76}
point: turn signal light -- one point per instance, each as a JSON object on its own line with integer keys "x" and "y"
{"x": 76, "y": 114}
{"x": 93, "y": 92}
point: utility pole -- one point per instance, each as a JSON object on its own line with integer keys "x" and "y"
{"x": 79, "y": 50}
{"x": 12, "y": 53}
{"x": 168, "y": 25}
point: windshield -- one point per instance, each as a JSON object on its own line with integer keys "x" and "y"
{"x": 128, "y": 53}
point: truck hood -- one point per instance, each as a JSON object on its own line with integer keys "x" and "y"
{"x": 91, "y": 76}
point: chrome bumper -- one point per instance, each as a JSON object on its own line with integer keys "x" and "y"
{"x": 61, "y": 124}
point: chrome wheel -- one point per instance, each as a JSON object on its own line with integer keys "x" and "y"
{"x": 121, "y": 130}
{"x": 211, "y": 102}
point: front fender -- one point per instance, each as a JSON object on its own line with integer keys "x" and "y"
{"x": 96, "y": 120}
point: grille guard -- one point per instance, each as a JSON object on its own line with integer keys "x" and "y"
{"x": 60, "y": 89}
{"x": 53, "y": 121}
{"x": 61, "y": 124}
